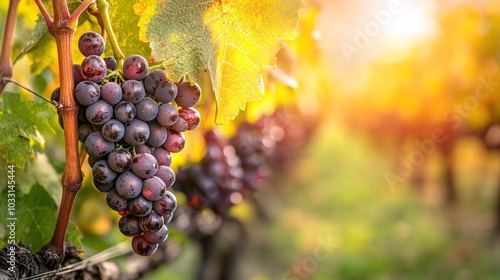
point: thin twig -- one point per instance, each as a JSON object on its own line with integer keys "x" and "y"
{"x": 8, "y": 80}
{"x": 83, "y": 155}
{"x": 48, "y": 19}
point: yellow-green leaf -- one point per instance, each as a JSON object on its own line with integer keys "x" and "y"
{"x": 234, "y": 39}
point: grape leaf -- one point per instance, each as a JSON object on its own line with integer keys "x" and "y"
{"x": 124, "y": 22}
{"x": 234, "y": 39}
{"x": 21, "y": 122}
{"x": 36, "y": 215}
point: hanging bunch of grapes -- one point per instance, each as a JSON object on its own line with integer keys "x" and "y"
{"x": 130, "y": 122}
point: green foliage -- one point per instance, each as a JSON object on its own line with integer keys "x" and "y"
{"x": 36, "y": 215}
{"x": 233, "y": 40}
{"x": 21, "y": 130}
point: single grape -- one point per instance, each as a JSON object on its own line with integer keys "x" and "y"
{"x": 143, "y": 149}
{"x": 165, "y": 92}
{"x": 115, "y": 201}
{"x": 140, "y": 206}
{"x": 99, "y": 113}
{"x": 191, "y": 116}
{"x": 166, "y": 204}
{"x": 188, "y": 95}
{"x": 84, "y": 131}
{"x": 157, "y": 134}
{"x": 163, "y": 156}
{"x": 104, "y": 187}
{"x": 56, "y": 94}
{"x": 94, "y": 68}
{"x": 153, "y": 188}
{"x": 175, "y": 141}
{"x": 180, "y": 125}
{"x": 135, "y": 67}
{"x": 124, "y": 111}
{"x": 167, "y": 175}
{"x": 167, "y": 218}
{"x": 144, "y": 165}
{"x": 157, "y": 236}
{"x": 142, "y": 247}
{"x": 128, "y": 185}
{"x": 97, "y": 146}
{"x": 133, "y": 91}
{"x": 110, "y": 63}
{"x": 136, "y": 132}
{"x": 147, "y": 109}
{"x": 167, "y": 115}
{"x": 77, "y": 74}
{"x": 102, "y": 173}
{"x": 154, "y": 79}
{"x": 91, "y": 43}
{"x": 151, "y": 223}
{"x": 87, "y": 93}
{"x": 91, "y": 160}
{"x": 113, "y": 130}
{"x": 120, "y": 160}
{"x": 129, "y": 225}
{"x": 111, "y": 92}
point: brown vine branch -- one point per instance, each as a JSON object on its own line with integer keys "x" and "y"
{"x": 8, "y": 42}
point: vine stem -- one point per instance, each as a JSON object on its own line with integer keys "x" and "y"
{"x": 63, "y": 29}
{"x": 8, "y": 42}
{"x": 103, "y": 7}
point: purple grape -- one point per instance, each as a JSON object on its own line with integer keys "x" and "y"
{"x": 135, "y": 67}
{"x": 191, "y": 116}
{"x": 167, "y": 115}
{"x": 104, "y": 187}
{"x": 113, "y": 130}
{"x": 165, "y": 92}
{"x": 136, "y": 132}
{"x": 94, "y": 68}
{"x": 147, "y": 109}
{"x": 151, "y": 223}
{"x": 188, "y": 95}
{"x": 111, "y": 92}
{"x": 140, "y": 206}
{"x": 124, "y": 111}
{"x": 166, "y": 204}
{"x": 142, "y": 247}
{"x": 84, "y": 131}
{"x": 157, "y": 236}
{"x": 167, "y": 218}
{"x": 154, "y": 79}
{"x": 115, "y": 201}
{"x": 96, "y": 146}
{"x": 77, "y": 74}
{"x": 143, "y": 149}
{"x": 93, "y": 161}
{"x": 163, "y": 156}
{"x": 91, "y": 43}
{"x": 110, "y": 63}
{"x": 144, "y": 165}
{"x": 56, "y": 94}
{"x": 99, "y": 113}
{"x": 175, "y": 141}
{"x": 157, "y": 134}
{"x": 120, "y": 160}
{"x": 128, "y": 185}
{"x": 167, "y": 175}
{"x": 133, "y": 91}
{"x": 102, "y": 173}
{"x": 180, "y": 125}
{"x": 153, "y": 188}
{"x": 87, "y": 93}
{"x": 129, "y": 225}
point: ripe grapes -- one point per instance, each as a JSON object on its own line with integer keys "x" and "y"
{"x": 126, "y": 117}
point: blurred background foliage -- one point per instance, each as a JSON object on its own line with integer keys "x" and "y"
{"x": 415, "y": 75}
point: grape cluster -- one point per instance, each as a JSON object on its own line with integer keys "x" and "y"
{"x": 130, "y": 124}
